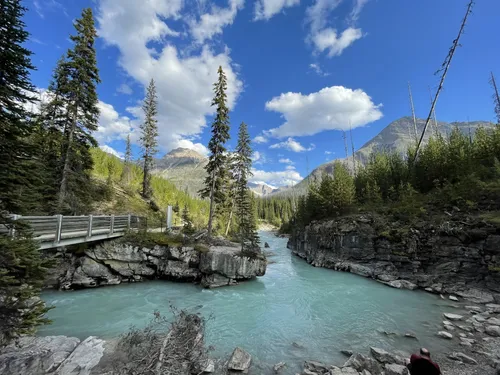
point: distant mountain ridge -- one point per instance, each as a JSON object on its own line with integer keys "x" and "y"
{"x": 397, "y": 136}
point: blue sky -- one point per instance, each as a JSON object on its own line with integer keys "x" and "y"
{"x": 299, "y": 71}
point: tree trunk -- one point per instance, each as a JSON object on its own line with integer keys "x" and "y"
{"x": 230, "y": 218}
{"x": 211, "y": 212}
{"x": 66, "y": 169}
{"x": 145, "y": 180}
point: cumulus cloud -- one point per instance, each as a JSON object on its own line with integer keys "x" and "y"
{"x": 329, "y": 40}
{"x": 266, "y": 9}
{"x": 112, "y": 126}
{"x": 331, "y": 108}
{"x": 276, "y": 178}
{"x": 286, "y": 161}
{"x": 211, "y": 24}
{"x": 292, "y": 145}
{"x": 260, "y": 139}
{"x": 290, "y": 168}
{"x": 358, "y": 7}
{"x": 325, "y": 38}
{"x": 184, "y": 80}
{"x": 112, "y": 151}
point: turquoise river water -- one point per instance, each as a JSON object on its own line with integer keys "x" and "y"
{"x": 321, "y": 310}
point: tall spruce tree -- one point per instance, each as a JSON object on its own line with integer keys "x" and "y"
{"x": 16, "y": 90}
{"x": 127, "y": 168}
{"x": 216, "y": 166}
{"x": 74, "y": 112}
{"x": 244, "y": 201}
{"x": 22, "y": 270}
{"x": 149, "y": 137}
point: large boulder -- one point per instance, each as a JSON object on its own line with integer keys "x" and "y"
{"x": 216, "y": 281}
{"x": 385, "y": 357}
{"x": 178, "y": 270}
{"x": 36, "y": 355}
{"x": 239, "y": 361}
{"x": 492, "y": 331}
{"x": 361, "y": 362}
{"x": 84, "y": 358}
{"x": 394, "y": 369}
{"x": 90, "y": 273}
{"x": 229, "y": 262}
{"x": 117, "y": 251}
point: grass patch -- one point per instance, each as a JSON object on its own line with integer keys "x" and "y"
{"x": 150, "y": 240}
{"x": 201, "y": 248}
{"x": 492, "y": 217}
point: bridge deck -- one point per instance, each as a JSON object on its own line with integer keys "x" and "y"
{"x": 57, "y": 231}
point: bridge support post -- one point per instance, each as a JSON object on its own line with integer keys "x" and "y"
{"x": 59, "y": 219}
{"x": 89, "y": 228}
{"x": 12, "y": 231}
{"x": 112, "y": 224}
{"x": 128, "y": 221}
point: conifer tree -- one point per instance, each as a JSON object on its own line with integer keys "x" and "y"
{"x": 16, "y": 91}
{"x": 149, "y": 135}
{"x": 215, "y": 167}
{"x": 187, "y": 221}
{"x": 244, "y": 201}
{"x": 73, "y": 111}
{"x": 127, "y": 168}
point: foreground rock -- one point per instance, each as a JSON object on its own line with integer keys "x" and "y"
{"x": 116, "y": 262}
{"x": 453, "y": 258}
{"x": 239, "y": 361}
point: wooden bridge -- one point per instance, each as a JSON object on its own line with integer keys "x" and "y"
{"x": 56, "y": 231}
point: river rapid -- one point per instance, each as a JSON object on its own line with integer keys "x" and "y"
{"x": 294, "y": 313}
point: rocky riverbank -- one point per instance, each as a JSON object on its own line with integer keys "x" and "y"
{"x": 454, "y": 257}
{"x": 116, "y": 262}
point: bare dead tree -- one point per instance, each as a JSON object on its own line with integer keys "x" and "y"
{"x": 436, "y": 128}
{"x": 496, "y": 97}
{"x": 352, "y": 148}
{"x": 413, "y": 113}
{"x": 444, "y": 70}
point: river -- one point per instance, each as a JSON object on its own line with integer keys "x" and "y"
{"x": 320, "y": 310}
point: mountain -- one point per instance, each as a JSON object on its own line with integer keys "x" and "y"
{"x": 397, "y": 136}
{"x": 261, "y": 188}
{"x": 185, "y": 168}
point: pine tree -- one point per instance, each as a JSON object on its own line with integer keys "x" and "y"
{"x": 187, "y": 221}
{"x": 244, "y": 201}
{"x": 73, "y": 111}
{"x": 217, "y": 161}
{"x": 16, "y": 91}
{"x": 127, "y": 169}
{"x": 149, "y": 137}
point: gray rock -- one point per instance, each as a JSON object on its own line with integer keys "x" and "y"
{"x": 402, "y": 284}
{"x": 226, "y": 261}
{"x": 475, "y": 295}
{"x": 445, "y": 335}
{"x": 385, "y": 357}
{"x": 453, "y": 298}
{"x": 129, "y": 269}
{"x": 410, "y": 335}
{"x": 216, "y": 281}
{"x": 387, "y": 277}
{"x": 394, "y": 369}
{"x": 491, "y": 307}
{"x": 449, "y": 327}
{"x": 349, "y": 371}
{"x": 492, "y": 331}
{"x": 279, "y": 366}
{"x": 209, "y": 366}
{"x": 334, "y": 370}
{"x": 361, "y": 362}
{"x": 239, "y": 361}
{"x": 458, "y": 356}
{"x": 84, "y": 358}
{"x": 316, "y": 367}
{"x": 465, "y": 328}
{"x": 474, "y": 308}
{"x": 467, "y": 342}
{"x": 266, "y": 245}
{"x": 493, "y": 321}
{"x": 178, "y": 270}
{"x": 36, "y": 355}
{"x": 347, "y": 353}
{"x": 453, "y": 316}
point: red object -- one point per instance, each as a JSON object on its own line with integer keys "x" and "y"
{"x": 421, "y": 365}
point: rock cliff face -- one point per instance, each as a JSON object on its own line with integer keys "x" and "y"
{"x": 452, "y": 258}
{"x": 113, "y": 263}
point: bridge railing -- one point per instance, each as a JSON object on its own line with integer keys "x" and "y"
{"x": 59, "y": 230}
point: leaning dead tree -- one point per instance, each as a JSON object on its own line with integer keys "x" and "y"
{"x": 413, "y": 113}
{"x": 436, "y": 129}
{"x": 444, "y": 70}
{"x": 352, "y": 148}
{"x": 496, "y": 97}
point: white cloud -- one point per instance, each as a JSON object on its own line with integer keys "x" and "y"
{"x": 124, "y": 89}
{"x": 212, "y": 23}
{"x": 186, "y": 143}
{"x": 331, "y": 108}
{"x": 256, "y": 156}
{"x": 326, "y": 38}
{"x": 260, "y": 139}
{"x": 328, "y": 152}
{"x": 292, "y": 145}
{"x": 276, "y": 178}
{"x": 184, "y": 80}
{"x": 286, "y": 161}
{"x": 329, "y": 40}
{"x": 290, "y": 168}
{"x": 112, "y": 151}
{"x": 317, "y": 69}
{"x": 358, "y": 7}
{"x": 112, "y": 126}
{"x": 266, "y": 9}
